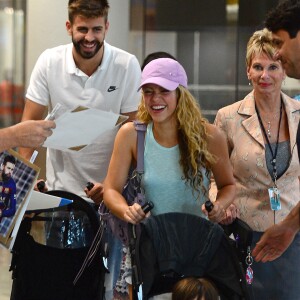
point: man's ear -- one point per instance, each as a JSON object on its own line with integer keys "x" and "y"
{"x": 106, "y": 25}
{"x": 69, "y": 27}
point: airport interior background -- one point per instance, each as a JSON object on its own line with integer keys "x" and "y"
{"x": 207, "y": 37}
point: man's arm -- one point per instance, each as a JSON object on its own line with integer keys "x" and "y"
{"x": 278, "y": 237}
{"x": 25, "y": 134}
{"x": 32, "y": 111}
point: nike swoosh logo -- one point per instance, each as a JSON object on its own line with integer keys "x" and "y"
{"x": 112, "y": 88}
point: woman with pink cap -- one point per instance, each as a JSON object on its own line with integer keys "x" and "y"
{"x": 181, "y": 151}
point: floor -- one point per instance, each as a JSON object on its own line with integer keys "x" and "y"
{"x": 5, "y": 276}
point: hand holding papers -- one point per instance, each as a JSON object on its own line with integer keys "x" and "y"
{"x": 78, "y": 128}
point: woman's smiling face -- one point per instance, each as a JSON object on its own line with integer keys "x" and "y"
{"x": 160, "y": 103}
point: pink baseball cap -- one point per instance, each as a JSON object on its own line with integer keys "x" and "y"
{"x": 165, "y": 72}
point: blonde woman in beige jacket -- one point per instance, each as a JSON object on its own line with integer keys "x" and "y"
{"x": 261, "y": 137}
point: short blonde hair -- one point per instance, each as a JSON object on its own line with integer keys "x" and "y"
{"x": 261, "y": 42}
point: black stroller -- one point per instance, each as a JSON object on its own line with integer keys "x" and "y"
{"x": 172, "y": 246}
{"x": 47, "y": 269}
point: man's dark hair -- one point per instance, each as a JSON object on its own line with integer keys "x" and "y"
{"x": 156, "y": 55}
{"x": 9, "y": 158}
{"x": 88, "y": 9}
{"x": 285, "y": 16}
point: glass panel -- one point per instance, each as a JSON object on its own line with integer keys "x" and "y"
{"x": 209, "y": 38}
{"x": 12, "y": 49}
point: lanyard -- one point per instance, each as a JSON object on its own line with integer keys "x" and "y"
{"x": 273, "y": 160}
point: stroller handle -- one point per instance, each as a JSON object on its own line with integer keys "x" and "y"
{"x": 147, "y": 206}
{"x": 208, "y": 206}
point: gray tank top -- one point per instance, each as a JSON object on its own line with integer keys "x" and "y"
{"x": 283, "y": 158}
{"x": 163, "y": 181}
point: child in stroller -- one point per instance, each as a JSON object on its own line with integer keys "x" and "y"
{"x": 192, "y": 288}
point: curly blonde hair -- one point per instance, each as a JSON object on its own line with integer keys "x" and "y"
{"x": 261, "y": 42}
{"x": 192, "y": 138}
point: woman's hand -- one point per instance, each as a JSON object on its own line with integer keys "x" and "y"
{"x": 134, "y": 214}
{"x": 220, "y": 215}
{"x": 231, "y": 214}
{"x": 217, "y": 214}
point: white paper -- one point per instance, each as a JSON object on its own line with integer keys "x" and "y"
{"x": 40, "y": 200}
{"x": 78, "y": 128}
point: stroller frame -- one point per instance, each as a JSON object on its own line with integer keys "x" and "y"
{"x": 143, "y": 245}
{"x": 46, "y": 272}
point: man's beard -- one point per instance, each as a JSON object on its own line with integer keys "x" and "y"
{"x": 87, "y": 54}
{"x": 5, "y": 177}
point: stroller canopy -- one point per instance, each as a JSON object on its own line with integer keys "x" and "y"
{"x": 176, "y": 245}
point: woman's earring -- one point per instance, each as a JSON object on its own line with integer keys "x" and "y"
{"x": 250, "y": 83}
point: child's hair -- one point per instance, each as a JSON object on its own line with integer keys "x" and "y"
{"x": 156, "y": 55}
{"x": 194, "y": 289}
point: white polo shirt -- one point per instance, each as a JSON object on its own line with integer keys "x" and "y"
{"x": 112, "y": 87}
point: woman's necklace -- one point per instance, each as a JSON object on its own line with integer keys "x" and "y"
{"x": 269, "y": 123}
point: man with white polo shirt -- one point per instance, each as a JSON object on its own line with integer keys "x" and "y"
{"x": 88, "y": 72}
{"x": 91, "y": 73}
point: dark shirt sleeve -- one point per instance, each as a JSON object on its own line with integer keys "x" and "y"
{"x": 11, "y": 209}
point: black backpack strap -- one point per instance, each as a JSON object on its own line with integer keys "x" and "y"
{"x": 93, "y": 250}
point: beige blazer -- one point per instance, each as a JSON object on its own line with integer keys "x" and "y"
{"x": 246, "y": 146}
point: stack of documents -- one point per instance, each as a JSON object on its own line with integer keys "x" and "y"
{"x": 89, "y": 122}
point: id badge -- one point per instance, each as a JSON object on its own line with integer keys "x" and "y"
{"x": 274, "y": 196}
